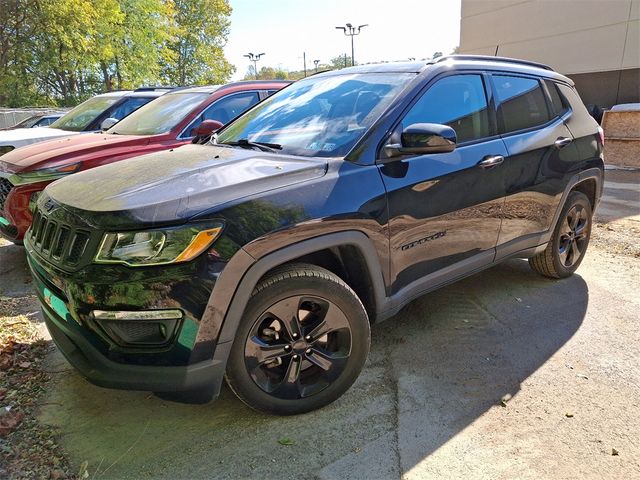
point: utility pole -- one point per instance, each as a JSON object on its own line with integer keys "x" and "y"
{"x": 304, "y": 62}
{"x": 316, "y": 62}
{"x": 351, "y": 31}
{"x": 254, "y": 57}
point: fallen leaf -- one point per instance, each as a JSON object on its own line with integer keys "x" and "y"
{"x": 10, "y": 421}
{"x": 286, "y": 441}
{"x": 614, "y": 452}
{"x": 568, "y": 415}
{"x": 25, "y": 364}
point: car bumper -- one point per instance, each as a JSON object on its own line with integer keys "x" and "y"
{"x": 101, "y": 371}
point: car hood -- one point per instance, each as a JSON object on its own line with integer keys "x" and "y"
{"x": 24, "y": 136}
{"x": 175, "y": 185}
{"x": 58, "y": 152}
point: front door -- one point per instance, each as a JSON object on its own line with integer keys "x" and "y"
{"x": 445, "y": 209}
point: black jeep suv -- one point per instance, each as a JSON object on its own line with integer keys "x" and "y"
{"x": 263, "y": 255}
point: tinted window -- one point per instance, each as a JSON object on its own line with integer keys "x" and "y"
{"x": 129, "y": 105}
{"x": 521, "y": 103}
{"x": 225, "y": 109}
{"x": 457, "y": 101}
{"x": 228, "y": 108}
{"x": 557, "y": 103}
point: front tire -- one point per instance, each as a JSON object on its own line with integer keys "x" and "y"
{"x": 302, "y": 342}
{"x": 570, "y": 239}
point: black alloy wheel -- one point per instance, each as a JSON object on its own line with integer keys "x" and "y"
{"x": 302, "y": 341}
{"x": 568, "y": 245}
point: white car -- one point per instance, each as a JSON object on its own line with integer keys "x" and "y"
{"x": 97, "y": 113}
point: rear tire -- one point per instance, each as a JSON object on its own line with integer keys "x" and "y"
{"x": 302, "y": 342}
{"x": 568, "y": 245}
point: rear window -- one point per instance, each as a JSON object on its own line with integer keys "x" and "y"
{"x": 521, "y": 103}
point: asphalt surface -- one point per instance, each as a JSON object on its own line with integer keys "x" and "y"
{"x": 502, "y": 375}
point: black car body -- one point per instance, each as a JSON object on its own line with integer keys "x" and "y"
{"x": 391, "y": 223}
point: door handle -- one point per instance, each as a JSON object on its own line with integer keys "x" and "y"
{"x": 562, "y": 142}
{"x": 491, "y": 161}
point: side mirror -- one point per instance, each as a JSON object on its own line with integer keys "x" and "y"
{"x": 421, "y": 138}
{"x": 207, "y": 127}
{"x": 107, "y": 123}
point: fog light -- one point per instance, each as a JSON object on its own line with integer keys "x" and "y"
{"x": 150, "y": 328}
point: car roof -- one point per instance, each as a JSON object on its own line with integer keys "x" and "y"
{"x": 480, "y": 62}
{"x": 202, "y": 89}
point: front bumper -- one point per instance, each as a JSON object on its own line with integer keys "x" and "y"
{"x": 103, "y": 372}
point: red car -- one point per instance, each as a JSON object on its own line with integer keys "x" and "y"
{"x": 167, "y": 122}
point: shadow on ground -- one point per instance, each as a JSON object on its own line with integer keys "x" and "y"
{"x": 433, "y": 370}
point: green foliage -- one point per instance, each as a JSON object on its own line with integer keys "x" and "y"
{"x": 63, "y": 51}
{"x": 201, "y": 29}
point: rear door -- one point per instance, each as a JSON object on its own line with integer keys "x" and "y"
{"x": 540, "y": 153}
{"x": 444, "y": 209}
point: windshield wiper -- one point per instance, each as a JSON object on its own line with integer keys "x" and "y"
{"x": 244, "y": 143}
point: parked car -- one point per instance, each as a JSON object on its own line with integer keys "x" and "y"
{"x": 38, "y": 120}
{"x": 165, "y": 123}
{"x": 90, "y": 116}
{"x": 264, "y": 256}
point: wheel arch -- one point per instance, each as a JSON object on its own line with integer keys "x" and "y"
{"x": 219, "y": 324}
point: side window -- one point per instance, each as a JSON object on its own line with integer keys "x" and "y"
{"x": 558, "y": 104}
{"x": 521, "y": 103}
{"x": 226, "y": 109}
{"x": 130, "y": 105}
{"x": 458, "y": 101}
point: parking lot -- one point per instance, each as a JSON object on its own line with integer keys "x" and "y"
{"x": 503, "y": 375}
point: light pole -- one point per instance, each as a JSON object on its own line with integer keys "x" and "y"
{"x": 254, "y": 57}
{"x": 351, "y": 31}
{"x": 316, "y": 62}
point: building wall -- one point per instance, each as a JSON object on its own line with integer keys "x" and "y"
{"x": 595, "y": 42}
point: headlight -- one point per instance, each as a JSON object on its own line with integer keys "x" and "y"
{"x": 157, "y": 247}
{"x": 5, "y": 149}
{"x": 44, "y": 174}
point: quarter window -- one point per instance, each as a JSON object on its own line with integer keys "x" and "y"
{"x": 557, "y": 104}
{"x": 521, "y": 103}
{"x": 458, "y": 101}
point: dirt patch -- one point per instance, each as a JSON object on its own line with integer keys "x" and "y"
{"x": 28, "y": 449}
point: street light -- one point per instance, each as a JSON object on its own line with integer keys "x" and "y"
{"x": 316, "y": 62}
{"x": 351, "y": 31}
{"x": 254, "y": 57}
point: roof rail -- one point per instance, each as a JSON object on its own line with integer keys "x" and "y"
{"x": 487, "y": 58}
{"x": 152, "y": 89}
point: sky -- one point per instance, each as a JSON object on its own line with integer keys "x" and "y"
{"x": 284, "y": 29}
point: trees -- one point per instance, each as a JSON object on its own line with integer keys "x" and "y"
{"x": 62, "y": 51}
{"x": 201, "y": 29}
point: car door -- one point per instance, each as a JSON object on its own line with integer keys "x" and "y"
{"x": 540, "y": 153}
{"x": 444, "y": 209}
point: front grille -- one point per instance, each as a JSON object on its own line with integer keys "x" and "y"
{"x": 59, "y": 242}
{"x": 5, "y": 188}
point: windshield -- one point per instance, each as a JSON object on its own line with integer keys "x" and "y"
{"x": 27, "y": 123}
{"x": 159, "y": 116}
{"x": 320, "y": 116}
{"x": 85, "y": 113}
